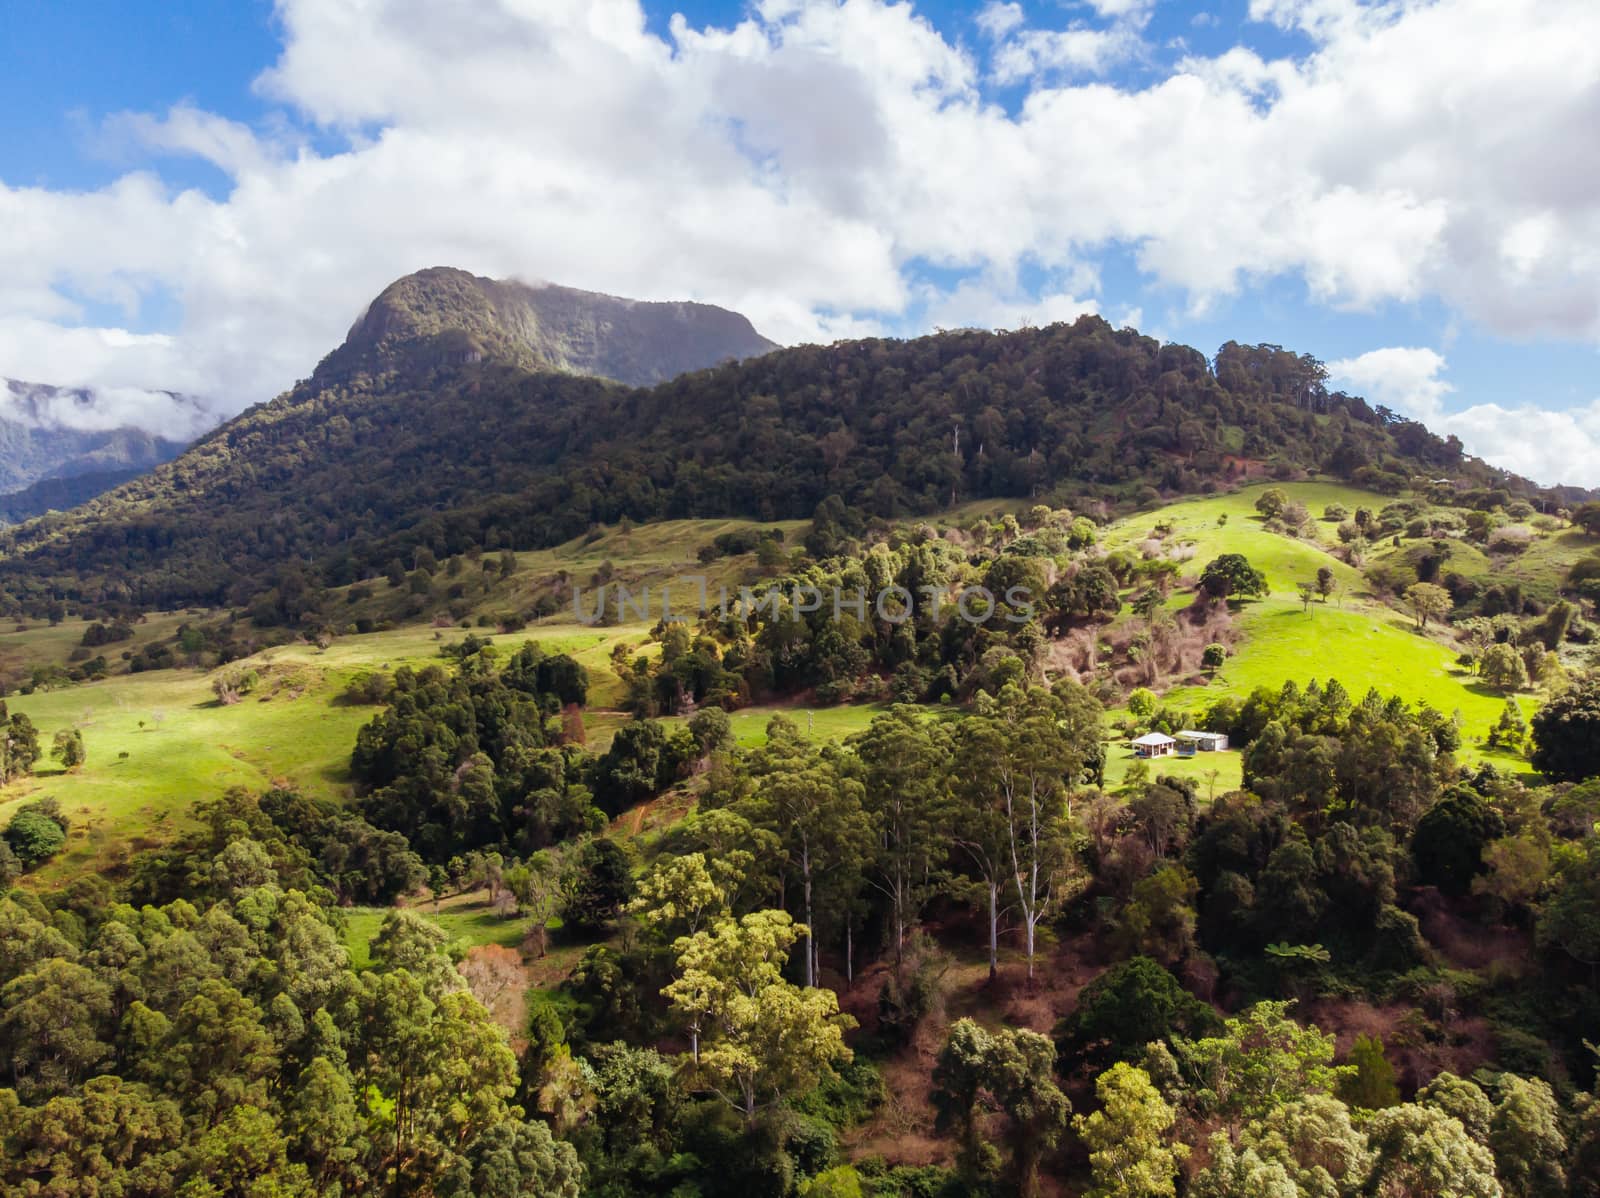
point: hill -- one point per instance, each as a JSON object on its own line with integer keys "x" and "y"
{"x": 296, "y": 729}
{"x": 430, "y": 430}
{"x": 1354, "y": 636}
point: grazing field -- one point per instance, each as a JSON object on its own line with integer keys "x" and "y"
{"x": 160, "y": 740}
{"x": 1354, "y": 637}
{"x": 1198, "y": 528}
{"x": 819, "y": 723}
{"x": 1363, "y": 645}
{"x": 29, "y": 645}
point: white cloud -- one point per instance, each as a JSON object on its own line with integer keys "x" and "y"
{"x": 991, "y": 302}
{"x": 996, "y": 19}
{"x": 1071, "y": 52}
{"x": 1404, "y": 379}
{"x": 1546, "y": 446}
{"x": 1549, "y": 447}
{"x": 796, "y": 166}
{"x": 1123, "y": 9}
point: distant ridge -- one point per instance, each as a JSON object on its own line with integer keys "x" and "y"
{"x": 441, "y": 424}
{"x": 60, "y": 494}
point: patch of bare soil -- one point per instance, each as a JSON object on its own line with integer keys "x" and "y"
{"x": 499, "y": 979}
{"x": 902, "y": 1131}
{"x": 1463, "y": 941}
{"x": 655, "y": 814}
{"x": 1418, "y": 1048}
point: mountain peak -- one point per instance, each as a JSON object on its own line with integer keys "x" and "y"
{"x": 443, "y": 316}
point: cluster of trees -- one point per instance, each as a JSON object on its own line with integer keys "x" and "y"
{"x": 1295, "y": 888}
{"x": 313, "y": 845}
{"x": 1378, "y": 761}
{"x": 36, "y": 832}
{"x": 912, "y": 615}
{"x": 353, "y": 474}
{"x": 215, "y": 1012}
{"x": 1250, "y": 1107}
{"x": 98, "y": 634}
{"x": 225, "y": 1046}
{"x": 865, "y": 836}
{"x": 473, "y": 757}
{"x": 19, "y": 744}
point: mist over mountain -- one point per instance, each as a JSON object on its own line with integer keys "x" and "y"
{"x": 50, "y": 432}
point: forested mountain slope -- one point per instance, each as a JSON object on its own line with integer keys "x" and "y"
{"x": 446, "y": 437}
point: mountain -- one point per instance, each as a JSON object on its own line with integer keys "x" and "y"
{"x": 393, "y": 445}
{"x": 51, "y": 432}
{"x": 443, "y": 316}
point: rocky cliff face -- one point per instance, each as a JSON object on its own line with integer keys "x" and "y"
{"x": 443, "y": 316}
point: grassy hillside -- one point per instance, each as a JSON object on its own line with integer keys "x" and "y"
{"x": 1355, "y": 637}
{"x": 159, "y": 740}
{"x": 1286, "y": 561}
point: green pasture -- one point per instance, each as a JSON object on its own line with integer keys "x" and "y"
{"x": 467, "y": 919}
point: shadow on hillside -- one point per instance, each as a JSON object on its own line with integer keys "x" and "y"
{"x": 1484, "y": 690}
{"x": 337, "y": 772}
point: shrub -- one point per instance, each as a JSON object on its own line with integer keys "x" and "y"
{"x": 232, "y": 685}
{"x": 35, "y": 834}
{"x": 906, "y": 999}
{"x": 1397, "y": 943}
{"x": 1129, "y": 1005}
{"x": 368, "y": 689}
{"x": 1566, "y": 733}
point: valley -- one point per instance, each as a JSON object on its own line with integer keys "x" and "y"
{"x": 158, "y": 739}
{"x": 359, "y": 707}
{"x": 800, "y": 599}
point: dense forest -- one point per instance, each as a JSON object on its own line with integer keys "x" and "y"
{"x": 748, "y": 980}
{"x": 355, "y": 469}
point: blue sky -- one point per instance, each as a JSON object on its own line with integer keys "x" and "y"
{"x": 204, "y": 194}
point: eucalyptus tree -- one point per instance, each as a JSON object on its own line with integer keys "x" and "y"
{"x": 806, "y": 796}
{"x": 904, "y": 765}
